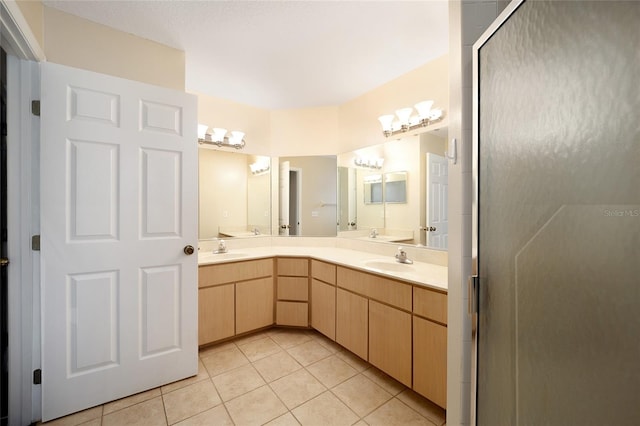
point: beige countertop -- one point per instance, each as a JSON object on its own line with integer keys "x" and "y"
{"x": 420, "y": 273}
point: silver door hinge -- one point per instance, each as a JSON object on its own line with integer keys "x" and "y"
{"x": 35, "y": 243}
{"x": 35, "y": 108}
{"x": 473, "y": 288}
{"x": 37, "y": 377}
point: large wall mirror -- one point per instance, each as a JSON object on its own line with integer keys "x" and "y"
{"x": 307, "y": 196}
{"x": 396, "y": 191}
{"x": 234, "y": 194}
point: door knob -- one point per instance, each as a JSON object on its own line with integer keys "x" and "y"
{"x": 188, "y": 250}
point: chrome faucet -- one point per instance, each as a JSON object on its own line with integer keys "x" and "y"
{"x": 373, "y": 233}
{"x": 222, "y": 247}
{"x": 401, "y": 256}
{"x": 256, "y": 231}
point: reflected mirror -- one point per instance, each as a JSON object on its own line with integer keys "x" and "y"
{"x": 234, "y": 194}
{"x": 372, "y": 189}
{"x": 412, "y": 206}
{"x": 395, "y": 187}
{"x": 307, "y": 196}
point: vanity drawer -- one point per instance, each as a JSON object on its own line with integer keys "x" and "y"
{"x": 382, "y": 289}
{"x": 323, "y": 271}
{"x": 430, "y": 304}
{"x": 209, "y": 275}
{"x": 293, "y": 267}
{"x": 292, "y": 313}
{"x": 293, "y": 288}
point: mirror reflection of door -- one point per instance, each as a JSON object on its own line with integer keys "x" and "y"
{"x": 437, "y": 229}
{"x": 347, "y": 192}
{"x": 295, "y": 200}
{"x": 283, "y": 214}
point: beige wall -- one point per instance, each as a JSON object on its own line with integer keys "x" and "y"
{"x": 33, "y": 12}
{"x": 306, "y": 131}
{"x": 334, "y": 129}
{"x": 255, "y": 122}
{"x": 359, "y": 124}
{"x": 79, "y": 43}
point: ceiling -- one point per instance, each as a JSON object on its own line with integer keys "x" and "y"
{"x": 283, "y": 54}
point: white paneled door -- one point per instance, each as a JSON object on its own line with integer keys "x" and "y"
{"x": 437, "y": 201}
{"x": 284, "y": 184}
{"x": 119, "y": 210}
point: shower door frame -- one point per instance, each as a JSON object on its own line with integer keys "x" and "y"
{"x": 474, "y": 281}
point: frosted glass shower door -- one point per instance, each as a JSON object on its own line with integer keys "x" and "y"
{"x": 558, "y": 215}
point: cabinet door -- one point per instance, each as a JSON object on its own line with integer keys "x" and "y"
{"x": 352, "y": 322}
{"x": 254, "y": 304}
{"x": 293, "y": 288}
{"x": 292, "y": 313}
{"x": 323, "y": 308}
{"x": 390, "y": 341}
{"x": 215, "y": 313}
{"x": 430, "y": 360}
{"x": 293, "y": 267}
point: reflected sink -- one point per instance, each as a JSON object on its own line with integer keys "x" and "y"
{"x": 388, "y": 265}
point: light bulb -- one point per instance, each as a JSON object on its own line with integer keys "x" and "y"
{"x": 403, "y": 115}
{"x": 435, "y": 114}
{"x": 423, "y": 108}
{"x": 386, "y": 121}
{"x": 236, "y": 137}
{"x": 202, "y": 131}
{"x": 218, "y": 134}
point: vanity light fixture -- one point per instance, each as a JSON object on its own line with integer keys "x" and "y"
{"x": 370, "y": 163}
{"x": 219, "y": 137}
{"x": 259, "y": 167}
{"x": 406, "y": 121}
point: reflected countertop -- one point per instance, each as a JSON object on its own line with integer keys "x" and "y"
{"x": 420, "y": 273}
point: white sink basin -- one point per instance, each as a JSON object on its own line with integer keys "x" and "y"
{"x": 222, "y": 256}
{"x": 387, "y": 265}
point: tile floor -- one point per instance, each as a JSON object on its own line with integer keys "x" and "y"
{"x": 274, "y": 377}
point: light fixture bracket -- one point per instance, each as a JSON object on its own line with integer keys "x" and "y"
{"x": 225, "y": 142}
{"x": 424, "y": 122}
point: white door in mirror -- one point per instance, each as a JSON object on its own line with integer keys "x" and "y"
{"x": 437, "y": 228}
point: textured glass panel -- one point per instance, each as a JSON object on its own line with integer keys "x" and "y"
{"x": 559, "y": 216}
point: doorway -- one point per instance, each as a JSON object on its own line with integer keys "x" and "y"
{"x": 295, "y": 198}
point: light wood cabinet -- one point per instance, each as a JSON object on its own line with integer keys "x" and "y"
{"x": 293, "y": 288}
{"x": 390, "y": 341}
{"x": 224, "y": 273}
{"x": 385, "y": 290}
{"x": 215, "y": 313}
{"x": 254, "y": 304}
{"x": 292, "y": 313}
{"x": 292, "y": 307}
{"x": 323, "y": 271}
{"x": 323, "y": 308}
{"x": 292, "y": 266}
{"x": 430, "y": 360}
{"x": 430, "y": 304}
{"x": 234, "y": 298}
{"x": 352, "y": 322}
{"x": 396, "y": 326}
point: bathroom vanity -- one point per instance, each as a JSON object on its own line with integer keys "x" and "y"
{"x": 392, "y": 315}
